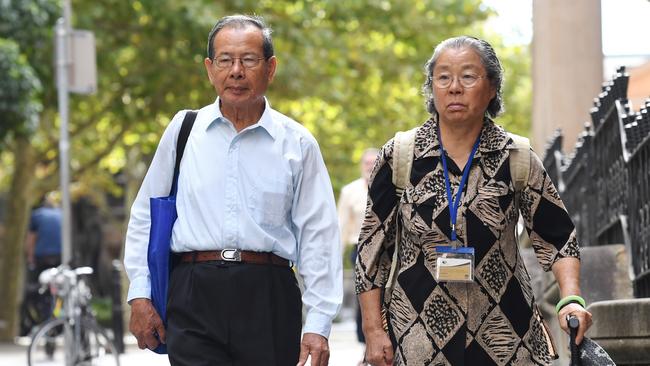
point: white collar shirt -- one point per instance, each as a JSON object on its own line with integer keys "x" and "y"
{"x": 265, "y": 188}
{"x": 351, "y": 210}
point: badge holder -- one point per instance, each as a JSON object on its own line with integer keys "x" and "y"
{"x": 454, "y": 264}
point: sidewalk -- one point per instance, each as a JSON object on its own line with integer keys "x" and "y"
{"x": 344, "y": 351}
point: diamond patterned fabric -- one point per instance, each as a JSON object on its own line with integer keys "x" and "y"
{"x": 494, "y": 320}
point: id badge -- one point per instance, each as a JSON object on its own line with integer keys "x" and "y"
{"x": 454, "y": 264}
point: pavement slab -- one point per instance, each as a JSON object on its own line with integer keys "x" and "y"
{"x": 344, "y": 350}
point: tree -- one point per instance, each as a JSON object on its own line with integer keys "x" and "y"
{"x": 350, "y": 71}
{"x": 21, "y": 33}
{"x": 19, "y": 88}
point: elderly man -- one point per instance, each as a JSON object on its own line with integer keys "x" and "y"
{"x": 351, "y": 209}
{"x": 253, "y": 183}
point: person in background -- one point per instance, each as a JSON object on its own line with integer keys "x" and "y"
{"x": 42, "y": 251}
{"x": 351, "y": 209}
{"x": 254, "y": 197}
{"x": 460, "y": 203}
{"x": 43, "y": 242}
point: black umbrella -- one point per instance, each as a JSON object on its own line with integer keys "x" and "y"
{"x": 588, "y": 353}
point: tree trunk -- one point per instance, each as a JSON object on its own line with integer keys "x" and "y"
{"x": 11, "y": 252}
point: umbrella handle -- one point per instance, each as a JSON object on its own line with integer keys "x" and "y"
{"x": 574, "y": 324}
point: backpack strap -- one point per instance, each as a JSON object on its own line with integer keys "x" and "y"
{"x": 520, "y": 162}
{"x": 403, "y": 148}
{"x": 183, "y": 135}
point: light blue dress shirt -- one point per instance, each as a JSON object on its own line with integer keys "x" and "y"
{"x": 265, "y": 188}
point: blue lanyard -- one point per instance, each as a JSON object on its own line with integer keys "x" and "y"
{"x": 453, "y": 205}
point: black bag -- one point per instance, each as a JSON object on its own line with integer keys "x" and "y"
{"x": 588, "y": 353}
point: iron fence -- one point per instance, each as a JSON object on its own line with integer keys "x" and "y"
{"x": 605, "y": 180}
{"x": 577, "y": 183}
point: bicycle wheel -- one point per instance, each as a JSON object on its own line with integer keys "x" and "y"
{"x": 95, "y": 348}
{"x": 41, "y": 350}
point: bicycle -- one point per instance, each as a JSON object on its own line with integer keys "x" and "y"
{"x": 36, "y": 305}
{"x": 85, "y": 342}
{"x": 34, "y": 311}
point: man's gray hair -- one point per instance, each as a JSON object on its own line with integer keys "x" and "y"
{"x": 489, "y": 60}
{"x": 241, "y": 21}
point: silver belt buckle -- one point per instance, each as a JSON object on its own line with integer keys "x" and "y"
{"x": 231, "y": 255}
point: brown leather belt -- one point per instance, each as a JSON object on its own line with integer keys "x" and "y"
{"x": 234, "y": 255}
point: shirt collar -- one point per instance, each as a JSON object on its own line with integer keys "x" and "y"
{"x": 493, "y": 138}
{"x": 265, "y": 122}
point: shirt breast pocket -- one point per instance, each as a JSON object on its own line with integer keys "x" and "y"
{"x": 494, "y": 205}
{"x": 270, "y": 200}
{"x": 430, "y": 199}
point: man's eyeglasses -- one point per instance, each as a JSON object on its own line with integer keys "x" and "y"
{"x": 226, "y": 62}
{"x": 443, "y": 81}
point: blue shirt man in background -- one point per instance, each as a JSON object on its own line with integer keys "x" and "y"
{"x": 43, "y": 243}
{"x": 42, "y": 251}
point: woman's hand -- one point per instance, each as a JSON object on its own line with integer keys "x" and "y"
{"x": 379, "y": 349}
{"x": 579, "y": 312}
{"x": 567, "y": 274}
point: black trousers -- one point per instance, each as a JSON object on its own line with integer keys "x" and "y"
{"x": 235, "y": 314}
{"x": 360, "y": 337}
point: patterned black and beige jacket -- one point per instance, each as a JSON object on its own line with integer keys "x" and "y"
{"x": 494, "y": 320}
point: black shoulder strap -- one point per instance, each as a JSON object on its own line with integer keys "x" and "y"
{"x": 184, "y": 133}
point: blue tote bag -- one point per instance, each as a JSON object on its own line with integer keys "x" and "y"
{"x": 163, "y": 216}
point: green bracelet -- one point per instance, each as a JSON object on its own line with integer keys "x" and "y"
{"x": 568, "y": 300}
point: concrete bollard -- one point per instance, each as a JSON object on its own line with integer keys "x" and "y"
{"x": 621, "y": 327}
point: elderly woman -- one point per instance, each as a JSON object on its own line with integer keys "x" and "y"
{"x": 489, "y": 317}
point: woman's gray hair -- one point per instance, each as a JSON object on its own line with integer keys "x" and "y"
{"x": 241, "y": 21}
{"x": 489, "y": 60}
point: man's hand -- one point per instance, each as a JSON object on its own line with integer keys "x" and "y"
{"x": 145, "y": 324}
{"x": 379, "y": 349}
{"x": 583, "y": 316}
{"x": 315, "y": 345}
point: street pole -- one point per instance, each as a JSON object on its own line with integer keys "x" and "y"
{"x": 62, "y": 31}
